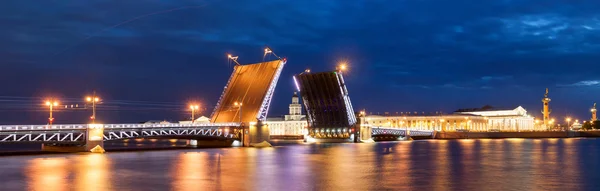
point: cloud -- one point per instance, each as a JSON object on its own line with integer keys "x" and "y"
{"x": 585, "y": 83}
{"x": 490, "y": 78}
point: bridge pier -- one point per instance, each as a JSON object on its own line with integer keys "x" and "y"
{"x": 94, "y": 142}
{"x": 365, "y": 134}
{"x": 256, "y": 135}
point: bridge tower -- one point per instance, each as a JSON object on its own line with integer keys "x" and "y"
{"x": 546, "y": 110}
{"x": 593, "y": 110}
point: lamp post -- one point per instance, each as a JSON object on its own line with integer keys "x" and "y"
{"x": 568, "y": 123}
{"x": 194, "y": 108}
{"x": 51, "y": 104}
{"x": 94, "y": 100}
{"x": 239, "y": 106}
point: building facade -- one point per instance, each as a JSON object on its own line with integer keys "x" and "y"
{"x": 293, "y": 124}
{"x": 475, "y": 120}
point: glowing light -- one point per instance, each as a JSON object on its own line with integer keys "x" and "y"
{"x": 343, "y": 66}
{"x": 296, "y": 83}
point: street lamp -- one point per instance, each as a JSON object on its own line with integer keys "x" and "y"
{"x": 51, "y": 104}
{"x": 568, "y": 123}
{"x": 342, "y": 66}
{"x": 94, "y": 100}
{"x": 233, "y": 58}
{"x": 194, "y": 108}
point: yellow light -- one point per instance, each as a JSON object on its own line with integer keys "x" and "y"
{"x": 89, "y": 99}
{"x": 343, "y": 66}
{"x": 568, "y": 119}
{"x": 55, "y": 103}
{"x": 229, "y": 56}
{"x": 96, "y": 99}
{"x": 48, "y": 103}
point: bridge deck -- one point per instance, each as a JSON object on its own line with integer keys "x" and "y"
{"x": 252, "y": 85}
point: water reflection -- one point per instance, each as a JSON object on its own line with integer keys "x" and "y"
{"x": 190, "y": 172}
{"x": 492, "y": 164}
{"x": 92, "y": 172}
{"x": 47, "y": 174}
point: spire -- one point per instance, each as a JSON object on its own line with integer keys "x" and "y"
{"x": 546, "y": 95}
{"x": 295, "y": 94}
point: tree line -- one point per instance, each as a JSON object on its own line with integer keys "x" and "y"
{"x": 591, "y": 125}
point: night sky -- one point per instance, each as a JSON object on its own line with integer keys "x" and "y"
{"x": 147, "y": 59}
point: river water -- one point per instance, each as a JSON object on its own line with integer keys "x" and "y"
{"x": 486, "y": 164}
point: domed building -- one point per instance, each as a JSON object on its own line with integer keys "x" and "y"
{"x": 292, "y": 125}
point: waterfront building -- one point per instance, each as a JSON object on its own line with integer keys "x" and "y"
{"x": 293, "y": 124}
{"x": 481, "y": 119}
{"x": 505, "y": 119}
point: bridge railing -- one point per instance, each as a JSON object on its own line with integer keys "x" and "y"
{"x": 41, "y": 127}
{"x": 128, "y": 126}
{"x": 108, "y": 126}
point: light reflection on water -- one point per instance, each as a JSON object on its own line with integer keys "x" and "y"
{"x": 494, "y": 164}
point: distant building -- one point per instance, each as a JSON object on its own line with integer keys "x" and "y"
{"x": 157, "y": 122}
{"x": 505, "y": 119}
{"x": 293, "y": 124}
{"x": 201, "y": 119}
{"x": 480, "y": 119}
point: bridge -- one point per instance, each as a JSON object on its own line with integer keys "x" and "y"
{"x": 87, "y": 136}
{"x": 386, "y": 133}
{"x": 77, "y": 133}
{"x": 238, "y": 116}
{"x": 330, "y": 114}
{"x": 328, "y": 108}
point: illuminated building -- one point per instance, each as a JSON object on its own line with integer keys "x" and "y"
{"x": 484, "y": 119}
{"x": 293, "y": 124}
{"x": 505, "y": 120}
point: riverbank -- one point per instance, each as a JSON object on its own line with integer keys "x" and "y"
{"x": 526, "y": 135}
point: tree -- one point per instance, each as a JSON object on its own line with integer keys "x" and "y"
{"x": 596, "y": 125}
{"x": 587, "y": 125}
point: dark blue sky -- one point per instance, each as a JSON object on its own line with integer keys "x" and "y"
{"x": 404, "y": 55}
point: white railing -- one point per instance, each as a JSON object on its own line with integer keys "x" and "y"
{"x": 108, "y": 126}
{"x": 43, "y": 137}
